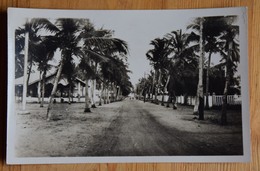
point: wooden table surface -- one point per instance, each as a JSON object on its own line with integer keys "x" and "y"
{"x": 254, "y": 74}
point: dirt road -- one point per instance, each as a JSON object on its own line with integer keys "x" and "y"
{"x": 126, "y": 128}
{"x": 136, "y": 131}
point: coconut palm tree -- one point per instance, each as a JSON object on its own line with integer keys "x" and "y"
{"x": 44, "y": 53}
{"x": 212, "y": 27}
{"x": 69, "y": 47}
{"x": 199, "y": 26}
{"x": 78, "y": 38}
{"x": 31, "y": 39}
{"x": 70, "y": 75}
{"x": 182, "y": 58}
{"x": 149, "y": 84}
{"x": 108, "y": 73}
{"x": 211, "y": 47}
{"x": 88, "y": 72}
{"x": 33, "y": 27}
{"x": 231, "y": 56}
{"x": 87, "y": 34}
{"x": 158, "y": 57}
{"x": 101, "y": 47}
{"x": 121, "y": 78}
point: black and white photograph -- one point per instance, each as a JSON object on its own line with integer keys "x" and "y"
{"x": 127, "y": 86}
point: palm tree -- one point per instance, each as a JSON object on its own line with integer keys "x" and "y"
{"x": 183, "y": 56}
{"x": 31, "y": 39}
{"x": 33, "y": 27}
{"x": 108, "y": 72}
{"x": 78, "y": 38}
{"x": 94, "y": 66}
{"x": 149, "y": 84}
{"x": 212, "y": 27}
{"x": 44, "y": 53}
{"x": 231, "y": 56}
{"x": 101, "y": 47}
{"x": 121, "y": 78}
{"x": 88, "y": 72}
{"x": 212, "y": 46}
{"x": 158, "y": 56}
{"x": 88, "y": 34}
{"x": 200, "y": 94}
{"x": 68, "y": 44}
{"x": 70, "y": 75}
{"x": 166, "y": 78}
{"x": 198, "y": 25}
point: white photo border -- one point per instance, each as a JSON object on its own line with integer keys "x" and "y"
{"x": 14, "y": 14}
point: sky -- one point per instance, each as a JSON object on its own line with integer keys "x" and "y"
{"x": 136, "y": 27}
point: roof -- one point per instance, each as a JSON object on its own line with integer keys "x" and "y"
{"x": 35, "y": 77}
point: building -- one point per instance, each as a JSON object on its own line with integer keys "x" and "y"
{"x": 34, "y": 87}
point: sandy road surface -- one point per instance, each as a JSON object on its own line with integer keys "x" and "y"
{"x": 126, "y": 128}
{"x": 135, "y": 131}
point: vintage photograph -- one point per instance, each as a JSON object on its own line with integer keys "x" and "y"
{"x": 127, "y": 86}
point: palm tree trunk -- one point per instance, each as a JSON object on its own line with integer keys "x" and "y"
{"x": 39, "y": 87}
{"x": 93, "y": 90}
{"x": 25, "y": 74}
{"x": 224, "y": 103}
{"x": 87, "y": 105}
{"x": 153, "y": 85}
{"x": 165, "y": 88}
{"x": 104, "y": 93}
{"x": 101, "y": 94}
{"x": 118, "y": 93}
{"x": 79, "y": 91}
{"x": 159, "y": 79}
{"x": 148, "y": 92}
{"x": 174, "y": 100}
{"x": 162, "y": 103}
{"x": 43, "y": 87}
{"x": 114, "y": 91}
{"x": 207, "y": 82}
{"x": 196, "y": 105}
{"x": 199, "y": 106}
{"x": 107, "y": 94}
{"x": 91, "y": 93}
{"x": 94, "y": 82}
{"x": 69, "y": 93}
{"x": 185, "y": 99}
{"x": 111, "y": 92}
{"x": 29, "y": 72}
{"x": 54, "y": 89}
{"x": 156, "y": 89}
{"x": 227, "y": 83}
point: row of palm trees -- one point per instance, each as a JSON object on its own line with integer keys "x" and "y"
{"x": 101, "y": 57}
{"x": 180, "y": 63}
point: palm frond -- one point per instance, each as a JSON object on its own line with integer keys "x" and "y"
{"x": 97, "y": 55}
{"x": 38, "y": 23}
{"x": 107, "y": 44}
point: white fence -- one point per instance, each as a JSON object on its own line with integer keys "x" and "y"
{"x": 214, "y": 100}
{"x": 231, "y": 100}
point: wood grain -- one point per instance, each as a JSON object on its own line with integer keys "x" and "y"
{"x": 254, "y": 77}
